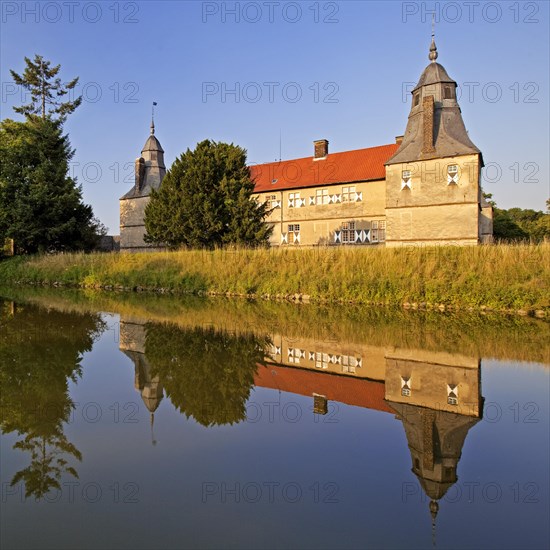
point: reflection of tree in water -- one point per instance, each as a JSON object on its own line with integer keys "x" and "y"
{"x": 40, "y": 352}
{"x": 206, "y": 373}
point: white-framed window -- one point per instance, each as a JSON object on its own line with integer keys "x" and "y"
{"x": 452, "y": 174}
{"x": 406, "y": 386}
{"x": 348, "y": 232}
{"x": 294, "y": 200}
{"x": 406, "y": 179}
{"x": 452, "y": 394}
{"x": 321, "y": 196}
{"x": 294, "y": 355}
{"x": 294, "y": 233}
{"x": 321, "y": 360}
{"x": 348, "y": 193}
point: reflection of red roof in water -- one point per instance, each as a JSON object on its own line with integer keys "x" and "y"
{"x": 344, "y": 389}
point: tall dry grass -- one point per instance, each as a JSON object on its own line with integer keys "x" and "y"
{"x": 511, "y": 276}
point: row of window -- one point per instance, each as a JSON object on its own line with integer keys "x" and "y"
{"x": 322, "y": 360}
{"x": 349, "y": 194}
{"x": 348, "y": 234}
{"x": 452, "y": 390}
{"x": 452, "y": 176}
{"x": 321, "y": 197}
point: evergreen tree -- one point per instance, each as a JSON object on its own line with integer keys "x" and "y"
{"x": 41, "y": 207}
{"x": 46, "y": 90}
{"x": 205, "y": 200}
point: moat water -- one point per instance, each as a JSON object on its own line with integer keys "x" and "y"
{"x": 144, "y": 422}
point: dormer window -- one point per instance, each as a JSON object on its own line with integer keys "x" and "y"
{"x": 452, "y": 174}
{"x": 448, "y": 92}
{"x": 416, "y": 99}
{"x": 405, "y": 179}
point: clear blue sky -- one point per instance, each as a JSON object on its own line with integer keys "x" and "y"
{"x": 349, "y": 60}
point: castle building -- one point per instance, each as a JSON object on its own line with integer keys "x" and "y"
{"x": 424, "y": 189}
{"x": 149, "y": 173}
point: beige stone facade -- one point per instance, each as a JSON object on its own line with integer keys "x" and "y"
{"x": 430, "y": 210}
{"x": 331, "y": 214}
{"x": 423, "y": 190}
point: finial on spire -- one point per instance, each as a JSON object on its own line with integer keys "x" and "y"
{"x": 153, "y": 440}
{"x": 153, "y": 118}
{"x": 434, "y": 508}
{"x": 433, "y": 48}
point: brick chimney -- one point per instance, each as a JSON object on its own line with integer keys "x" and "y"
{"x": 398, "y": 139}
{"x": 428, "y": 125}
{"x": 139, "y": 169}
{"x": 320, "y": 150}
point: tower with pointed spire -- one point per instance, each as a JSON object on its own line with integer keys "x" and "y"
{"x": 437, "y": 397}
{"x": 433, "y": 189}
{"x": 132, "y": 344}
{"x": 149, "y": 171}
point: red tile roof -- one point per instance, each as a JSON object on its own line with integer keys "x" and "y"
{"x": 345, "y": 167}
{"x": 344, "y": 389}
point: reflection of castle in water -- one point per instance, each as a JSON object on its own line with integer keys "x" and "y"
{"x": 436, "y": 395}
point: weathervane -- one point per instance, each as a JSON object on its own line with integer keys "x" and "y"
{"x": 153, "y": 117}
{"x": 433, "y": 48}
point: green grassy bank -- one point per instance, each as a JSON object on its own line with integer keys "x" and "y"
{"x": 500, "y": 277}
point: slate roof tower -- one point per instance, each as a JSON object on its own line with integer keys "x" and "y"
{"x": 435, "y": 128}
{"x": 149, "y": 171}
{"x": 433, "y": 190}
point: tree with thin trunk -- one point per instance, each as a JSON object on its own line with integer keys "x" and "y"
{"x": 41, "y": 206}
{"x": 46, "y": 90}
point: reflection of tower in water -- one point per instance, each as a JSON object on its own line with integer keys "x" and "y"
{"x": 437, "y": 396}
{"x": 132, "y": 344}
